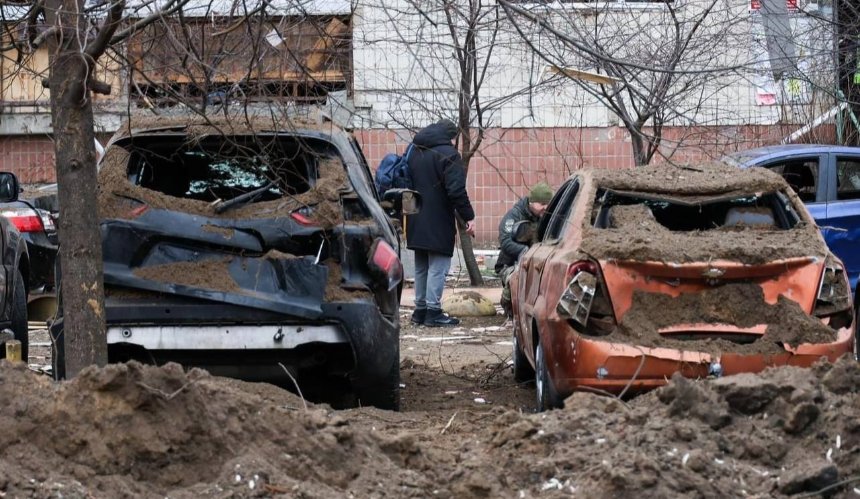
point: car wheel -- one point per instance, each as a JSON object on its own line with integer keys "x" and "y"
{"x": 384, "y": 393}
{"x": 547, "y": 397}
{"x": 523, "y": 371}
{"x": 19, "y": 316}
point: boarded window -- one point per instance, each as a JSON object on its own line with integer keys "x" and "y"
{"x": 224, "y": 59}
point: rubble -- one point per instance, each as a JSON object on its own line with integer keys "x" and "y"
{"x": 160, "y": 431}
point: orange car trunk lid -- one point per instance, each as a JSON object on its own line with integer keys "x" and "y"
{"x": 793, "y": 278}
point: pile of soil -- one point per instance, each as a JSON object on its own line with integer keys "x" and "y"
{"x": 207, "y": 274}
{"x": 707, "y": 179}
{"x": 146, "y": 431}
{"x": 738, "y": 304}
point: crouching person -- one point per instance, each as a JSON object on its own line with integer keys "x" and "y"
{"x": 529, "y": 208}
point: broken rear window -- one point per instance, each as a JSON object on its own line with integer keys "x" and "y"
{"x": 216, "y": 167}
{"x": 769, "y": 211}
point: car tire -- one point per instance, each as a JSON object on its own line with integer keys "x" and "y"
{"x": 523, "y": 371}
{"x": 547, "y": 396}
{"x": 383, "y": 393}
{"x": 18, "y": 318}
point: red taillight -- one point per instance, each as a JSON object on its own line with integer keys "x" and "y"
{"x": 385, "y": 259}
{"x": 298, "y": 217}
{"x": 577, "y": 267}
{"x": 24, "y": 219}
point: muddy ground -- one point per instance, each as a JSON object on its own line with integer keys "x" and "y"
{"x": 466, "y": 430}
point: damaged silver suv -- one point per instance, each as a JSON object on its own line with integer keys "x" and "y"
{"x": 253, "y": 248}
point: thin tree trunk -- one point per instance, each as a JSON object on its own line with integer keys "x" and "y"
{"x": 80, "y": 239}
{"x": 475, "y": 276}
{"x": 638, "y": 145}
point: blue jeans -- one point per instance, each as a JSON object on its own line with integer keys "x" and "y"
{"x": 430, "y": 271}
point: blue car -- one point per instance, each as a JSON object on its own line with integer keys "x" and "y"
{"x": 827, "y": 179}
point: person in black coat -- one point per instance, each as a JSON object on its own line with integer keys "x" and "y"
{"x": 437, "y": 173}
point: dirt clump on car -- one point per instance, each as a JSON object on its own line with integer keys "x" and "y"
{"x": 334, "y": 290}
{"x": 706, "y": 179}
{"x": 209, "y": 274}
{"x": 148, "y": 431}
{"x": 736, "y": 304}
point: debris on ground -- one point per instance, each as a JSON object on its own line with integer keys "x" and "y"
{"x": 160, "y": 431}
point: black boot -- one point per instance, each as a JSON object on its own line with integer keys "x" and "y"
{"x": 507, "y": 308}
{"x": 419, "y": 315}
{"x": 438, "y": 318}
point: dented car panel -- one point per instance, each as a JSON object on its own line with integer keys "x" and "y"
{"x": 617, "y": 302}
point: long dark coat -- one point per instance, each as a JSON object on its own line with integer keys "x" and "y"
{"x": 437, "y": 173}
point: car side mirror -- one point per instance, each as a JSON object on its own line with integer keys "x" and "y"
{"x": 524, "y": 232}
{"x": 402, "y": 201}
{"x": 9, "y": 187}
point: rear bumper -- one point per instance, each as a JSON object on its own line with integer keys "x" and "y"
{"x": 240, "y": 337}
{"x": 586, "y": 363}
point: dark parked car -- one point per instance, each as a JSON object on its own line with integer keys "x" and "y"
{"x": 638, "y": 274}
{"x": 33, "y": 214}
{"x": 827, "y": 179}
{"x": 253, "y": 249}
{"x": 15, "y": 273}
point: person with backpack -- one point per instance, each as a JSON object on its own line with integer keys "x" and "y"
{"x": 436, "y": 171}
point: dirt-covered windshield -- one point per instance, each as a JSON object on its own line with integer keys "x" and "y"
{"x": 769, "y": 211}
{"x": 743, "y": 227}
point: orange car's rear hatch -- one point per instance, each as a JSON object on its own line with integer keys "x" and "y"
{"x": 718, "y": 283}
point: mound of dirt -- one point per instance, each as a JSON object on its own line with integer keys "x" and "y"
{"x": 741, "y": 305}
{"x": 145, "y": 431}
{"x": 703, "y": 180}
{"x": 784, "y": 432}
{"x": 209, "y": 274}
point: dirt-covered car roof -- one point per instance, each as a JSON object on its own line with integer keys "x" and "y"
{"x": 641, "y": 238}
{"x": 234, "y": 123}
{"x": 704, "y": 179}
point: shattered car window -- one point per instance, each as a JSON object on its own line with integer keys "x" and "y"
{"x": 214, "y": 168}
{"x": 770, "y": 211}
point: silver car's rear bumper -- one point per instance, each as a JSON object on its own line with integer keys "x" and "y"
{"x": 272, "y": 337}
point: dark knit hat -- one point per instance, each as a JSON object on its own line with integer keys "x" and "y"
{"x": 449, "y": 127}
{"x": 540, "y": 193}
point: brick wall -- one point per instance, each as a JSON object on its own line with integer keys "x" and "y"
{"x": 31, "y": 158}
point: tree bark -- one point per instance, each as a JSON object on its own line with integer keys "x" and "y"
{"x": 74, "y": 144}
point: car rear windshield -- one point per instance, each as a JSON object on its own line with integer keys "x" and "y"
{"x": 770, "y": 211}
{"x": 216, "y": 167}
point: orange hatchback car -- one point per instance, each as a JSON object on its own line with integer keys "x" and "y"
{"x": 636, "y": 274}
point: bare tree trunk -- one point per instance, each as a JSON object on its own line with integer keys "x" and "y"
{"x": 74, "y": 139}
{"x": 638, "y": 145}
